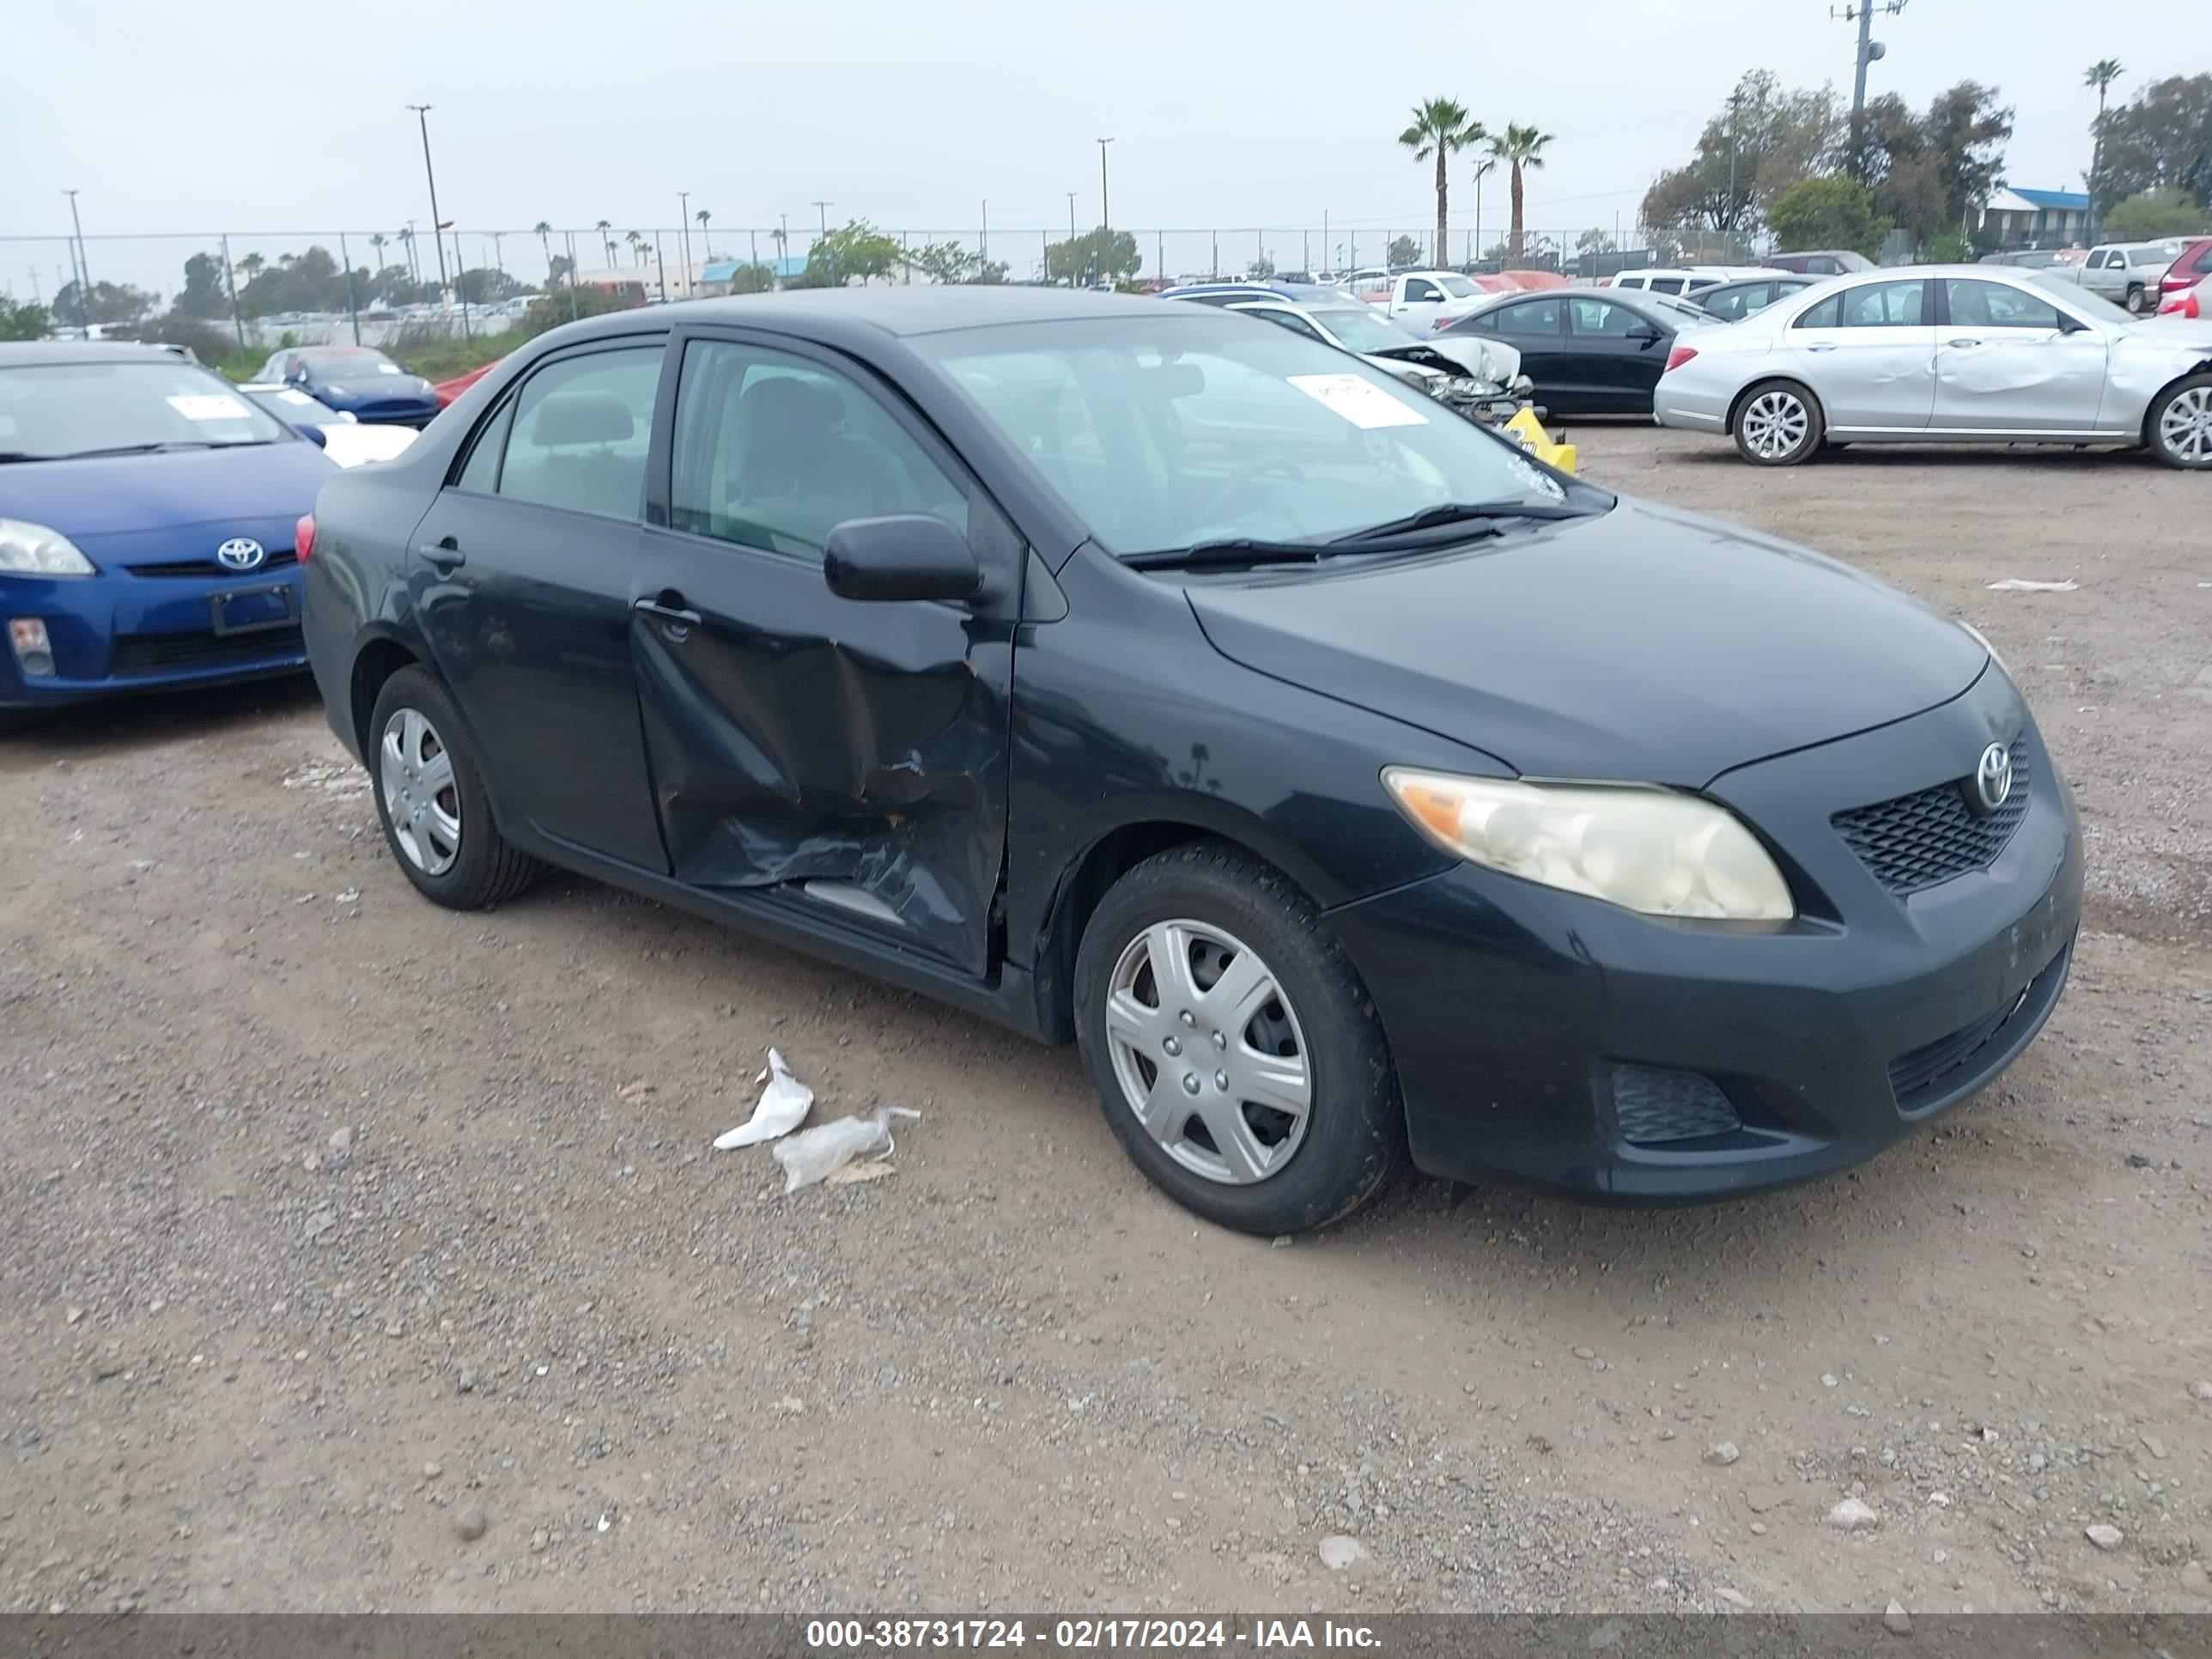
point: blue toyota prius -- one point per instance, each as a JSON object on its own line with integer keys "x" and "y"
{"x": 146, "y": 525}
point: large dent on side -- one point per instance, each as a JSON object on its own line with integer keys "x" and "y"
{"x": 2141, "y": 368}
{"x": 816, "y": 761}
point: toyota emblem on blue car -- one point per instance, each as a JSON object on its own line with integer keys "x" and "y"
{"x": 240, "y": 553}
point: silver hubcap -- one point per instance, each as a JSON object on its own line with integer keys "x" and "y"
{"x": 1775, "y": 423}
{"x": 1208, "y": 1052}
{"x": 419, "y": 796}
{"x": 2185, "y": 428}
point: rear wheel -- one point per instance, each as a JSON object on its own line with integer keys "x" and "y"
{"x": 1779, "y": 424}
{"x": 2138, "y": 298}
{"x": 2178, "y": 427}
{"x": 1237, "y": 1056}
{"x": 430, "y": 798}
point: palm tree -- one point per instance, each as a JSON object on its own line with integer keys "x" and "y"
{"x": 1518, "y": 148}
{"x": 376, "y": 240}
{"x": 702, "y": 216}
{"x": 251, "y": 264}
{"x": 2101, "y": 74}
{"x": 1483, "y": 169}
{"x": 1441, "y": 126}
{"x": 544, "y": 234}
{"x": 607, "y": 241}
{"x": 406, "y": 238}
{"x": 637, "y": 246}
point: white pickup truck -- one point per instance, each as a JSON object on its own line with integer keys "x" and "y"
{"x": 2126, "y": 273}
{"x": 1423, "y": 301}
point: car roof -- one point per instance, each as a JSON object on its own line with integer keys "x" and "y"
{"x": 934, "y": 308}
{"x": 17, "y": 354}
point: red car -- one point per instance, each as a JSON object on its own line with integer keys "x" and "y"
{"x": 449, "y": 390}
{"x": 2189, "y": 267}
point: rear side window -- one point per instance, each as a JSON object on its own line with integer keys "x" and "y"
{"x": 1885, "y": 305}
{"x": 1823, "y": 315}
{"x": 1731, "y": 305}
{"x": 1598, "y": 318}
{"x": 1529, "y": 316}
{"x": 580, "y": 429}
{"x": 1666, "y": 285}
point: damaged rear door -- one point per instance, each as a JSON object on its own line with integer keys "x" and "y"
{"x": 849, "y": 758}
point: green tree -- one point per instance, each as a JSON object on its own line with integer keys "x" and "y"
{"x": 24, "y": 322}
{"x": 115, "y": 304}
{"x": 1519, "y": 148}
{"x": 949, "y": 262}
{"x": 485, "y": 286}
{"x": 1778, "y": 138}
{"x": 855, "y": 248}
{"x": 1403, "y": 251}
{"x": 1948, "y": 248}
{"x": 559, "y": 268}
{"x": 1100, "y": 255}
{"x": 1829, "y": 211}
{"x": 1440, "y": 126}
{"x": 203, "y": 294}
{"x": 752, "y": 279}
{"x": 2167, "y": 211}
{"x": 2100, "y": 75}
{"x": 2162, "y": 137}
{"x": 1262, "y": 268}
{"x": 1929, "y": 170}
{"x": 551, "y": 310}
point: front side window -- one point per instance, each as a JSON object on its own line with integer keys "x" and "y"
{"x": 580, "y": 429}
{"x": 1995, "y": 305}
{"x": 1731, "y": 307}
{"x": 1530, "y": 317}
{"x": 775, "y": 452}
{"x": 1160, "y": 434}
{"x": 1417, "y": 291}
{"x": 52, "y": 410}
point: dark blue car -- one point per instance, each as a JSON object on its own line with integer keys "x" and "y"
{"x": 146, "y": 525}
{"x": 359, "y": 379}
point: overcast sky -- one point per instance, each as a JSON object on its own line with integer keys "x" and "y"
{"x": 271, "y": 115}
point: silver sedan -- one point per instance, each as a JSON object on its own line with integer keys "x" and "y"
{"x": 1934, "y": 354}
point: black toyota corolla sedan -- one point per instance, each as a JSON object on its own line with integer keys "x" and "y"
{"x": 1345, "y": 785}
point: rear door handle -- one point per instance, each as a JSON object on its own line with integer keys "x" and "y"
{"x": 444, "y": 553}
{"x": 674, "y": 615}
{"x": 1962, "y": 343}
{"x": 1820, "y": 348}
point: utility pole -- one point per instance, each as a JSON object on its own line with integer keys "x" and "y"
{"x": 1324, "y": 242}
{"x": 1105, "y": 211}
{"x": 822, "y": 211}
{"x": 352, "y": 310}
{"x": 661, "y": 266}
{"x": 499, "y": 251}
{"x": 1071, "y": 282}
{"x": 1870, "y": 50}
{"x": 230, "y": 282}
{"x": 1736, "y": 103}
{"x": 983, "y": 236}
{"x": 683, "y": 224}
{"x": 422, "y": 118}
{"x": 83, "y": 269}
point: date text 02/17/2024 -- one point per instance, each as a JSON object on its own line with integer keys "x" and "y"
{"x": 1259, "y": 1636}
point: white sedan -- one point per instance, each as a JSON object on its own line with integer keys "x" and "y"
{"x": 1944, "y": 354}
{"x": 346, "y": 440}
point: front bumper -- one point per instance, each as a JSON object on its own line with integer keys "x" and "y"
{"x": 118, "y": 633}
{"x": 1512, "y": 1010}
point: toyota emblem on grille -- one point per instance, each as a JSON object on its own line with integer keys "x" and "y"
{"x": 240, "y": 553}
{"x": 1992, "y": 784}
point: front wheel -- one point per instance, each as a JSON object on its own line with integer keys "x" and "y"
{"x": 2178, "y": 427}
{"x": 2138, "y": 298}
{"x": 1237, "y": 1057}
{"x": 1779, "y": 424}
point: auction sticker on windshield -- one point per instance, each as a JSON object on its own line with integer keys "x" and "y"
{"x": 208, "y": 406}
{"x": 1364, "y": 404}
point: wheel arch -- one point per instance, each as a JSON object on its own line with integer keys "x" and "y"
{"x": 1110, "y": 854}
{"x": 377, "y": 659}
{"x": 2150, "y": 405}
{"x": 1735, "y": 406}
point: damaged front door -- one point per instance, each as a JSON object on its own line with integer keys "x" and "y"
{"x": 850, "y": 758}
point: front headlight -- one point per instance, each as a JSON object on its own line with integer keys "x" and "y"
{"x": 1642, "y": 848}
{"x": 32, "y": 549}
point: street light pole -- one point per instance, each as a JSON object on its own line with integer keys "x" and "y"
{"x": 437, "y": 238}
{"x": 683, "y": 224}
{"x": 83, "y": 269}
{"x": 1105, "y": 210}
{"x": 1071, "y": 239}
{"x": 822, "y": 213}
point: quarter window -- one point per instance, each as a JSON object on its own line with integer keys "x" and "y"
{"x": 581, "y": 428}
{"x": 1823, "y": 315}
{"x": 774, "y": 451}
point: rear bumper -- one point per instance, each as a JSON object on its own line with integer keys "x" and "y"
{"x": 1529, "y": 1025}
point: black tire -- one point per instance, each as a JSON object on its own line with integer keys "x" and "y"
{"x": 2180, "y": 448}
{"x": 1772, "y": 400}
{"x": 1353, "y": 1142}
{"x": 485, "y": 871}
{"x": 2138, "y": 299}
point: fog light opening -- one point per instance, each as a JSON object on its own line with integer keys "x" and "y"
{"x": 35, "y": 655}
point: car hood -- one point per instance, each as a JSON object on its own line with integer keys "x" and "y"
{"x": 373, "y": 389}
{"x": 1643, "y": 644}
{"x": 153, "y": 502}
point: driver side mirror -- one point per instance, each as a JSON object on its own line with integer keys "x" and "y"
{"x": 2069, "y": 324}
{"x": 904, "y": 556}
{"x": 313, "y": 435}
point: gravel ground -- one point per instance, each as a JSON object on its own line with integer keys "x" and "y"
{"x": 354, "y": 1255}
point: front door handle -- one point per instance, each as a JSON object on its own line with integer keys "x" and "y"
{"x": 1817, "y": 347}
{"x": 1962, "y": 343}
{"x": 444, "y": 553}
{"x": 677, "y": 619}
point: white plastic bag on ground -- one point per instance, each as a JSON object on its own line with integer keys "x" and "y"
{"x": 826, "y": 1147}
{"x": 783, "y": 1106}
{"x": 2022, "y": 584}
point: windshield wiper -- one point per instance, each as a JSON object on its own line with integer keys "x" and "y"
{"x": 1450, "y": 513}
{"x": 6, "y": 455}
{"x": 138, "y": 449}
{"x": 1230, "y": 550}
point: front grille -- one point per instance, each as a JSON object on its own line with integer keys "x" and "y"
{"x": 1936, "y": 1069}
{"x": 209, "y": 567}
{"x": 1654, "y": 1106}
{"x": 1918, "y": 840}
{"x": 169, "y": 654}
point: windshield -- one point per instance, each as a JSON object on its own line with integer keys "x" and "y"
{"x": 1362, "y": 328}
{"x": 2079, "y": 300}
{"x": 352, "y": 364}
{"x": 296, "y": 408}
{"x": 1458, "y": 287}
{"x": 1160, "y": 433}
{"x": 49, "y": 410}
